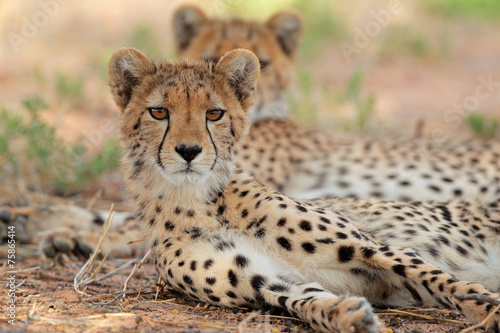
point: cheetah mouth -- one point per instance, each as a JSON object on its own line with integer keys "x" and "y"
{"x": 187, "y": 171}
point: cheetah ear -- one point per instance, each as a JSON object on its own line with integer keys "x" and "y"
{"x": 241, "y": 68}
{"x": 126, "y": 69}
{"x": 287, "y": 28}
{"x": 188, "y": 20}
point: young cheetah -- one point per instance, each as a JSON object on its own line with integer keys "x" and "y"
{"x": 220, "y": 236}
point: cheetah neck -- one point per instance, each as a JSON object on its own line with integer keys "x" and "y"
{"x": 154, "y": 198}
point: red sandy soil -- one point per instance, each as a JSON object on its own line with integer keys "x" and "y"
{"x": 47, "y": 302}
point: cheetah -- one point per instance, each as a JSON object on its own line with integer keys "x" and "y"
{"x": 309, "y": 163}
{"x": 300, "y": 162}
{"x": 220, "y": 236}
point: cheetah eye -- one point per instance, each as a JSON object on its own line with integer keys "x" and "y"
{"x": 263, "y": 64}
{"x": 214, "y": 115}
{"x": 158, "y": 113}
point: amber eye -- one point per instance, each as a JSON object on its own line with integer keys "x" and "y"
{"x": 214, "y": 115}
{"x": 158, "y": 113}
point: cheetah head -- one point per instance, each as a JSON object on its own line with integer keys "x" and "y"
{"x": 182, "y": 120}
{"x": 274, "y": 42}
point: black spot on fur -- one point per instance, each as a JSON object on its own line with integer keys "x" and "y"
{"x": 399, "y": 269}
{"x": 257, "y": 282}
{"x": 282, "y": 301}
{"x": 284, "y": 243}
{"x": 305, "y": 225}
{"x": 346, "y": 253}
{"x": 308, "y": 247}
{"x": 230, "y": 294}
{"x": 169, "y": 226}
{"x": 325, "y": 241}
{"x": 241, "y": 261}
{"x": 367, "y": 252}
{"x": 214, "y": 298}
{"x": 281, "y": 222}
{"x": 208, "y": 263}
{"x": 187, "y": 279}
{"x": 302, "y": 209}
{"x": 233, "y": 279}
{"x": 193, "y": 265}
{"x": 341, "y": 235}
{"x": 279, "y": 288}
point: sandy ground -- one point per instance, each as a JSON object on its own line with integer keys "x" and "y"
{"x": 46, "y": 302}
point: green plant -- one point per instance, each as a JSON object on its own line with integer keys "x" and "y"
{"x": 29, "y": 146}
{"x": 312, "y": 98}
{"x": 364, "y": 106}
{"x": 303, "y": 105}
{"x": 34, "y": 104}
{"x": 481, "y": 125}
{"x": 405, "y": 39}
{"x": 469, "y": 9}
{"x": 68, "y": 87}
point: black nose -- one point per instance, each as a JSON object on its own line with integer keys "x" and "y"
{"x": 188, "y": 153}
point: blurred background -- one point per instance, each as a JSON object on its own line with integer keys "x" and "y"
{"x": 428, "y": 68}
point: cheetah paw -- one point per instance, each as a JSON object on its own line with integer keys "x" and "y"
{"x": 350, "y": 315}
{"x": 478, "y": 311}
{"x": 54, "y": 243}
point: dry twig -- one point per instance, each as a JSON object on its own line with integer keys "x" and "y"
{"x": 134, "y": 270}
{"x": 476, "y": 297}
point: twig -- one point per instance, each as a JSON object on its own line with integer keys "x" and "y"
{"x": 134, "y": 270}
{"x": 115, "y": 271}
{"x": 107, "y": 224}
{"x": 136, "y": 241}
{"x": 20, "y": 284}
{"x": 78, "y": 277}
{"x": 159, "y": 287}
{"x": 84, "y": 302}
{"x": 476, "y": 297}
{"x": 87, "y": 267}
{"x": 93, "y": 200}
{"x": 92, "y": 277}
{"x": 424, "y": 316}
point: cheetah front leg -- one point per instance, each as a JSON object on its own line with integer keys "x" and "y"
{"x": 441, "y": 285}
{"x": 230, "y": 270}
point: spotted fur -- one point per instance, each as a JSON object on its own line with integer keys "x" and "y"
{"x": 220, "y": 236}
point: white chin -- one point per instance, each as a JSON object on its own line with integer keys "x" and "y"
{"x": 189, "y": 177}
{"x": 183, "y": 177}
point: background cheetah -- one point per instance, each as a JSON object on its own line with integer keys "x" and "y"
{"x": 311, "y": 163}
{"x": 217, "y": 235}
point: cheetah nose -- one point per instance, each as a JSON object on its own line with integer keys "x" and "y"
{"x": 188, "y": 153}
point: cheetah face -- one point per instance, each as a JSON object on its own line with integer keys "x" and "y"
{"x": 182, "y": 120}
{"x": 274, "y": 42}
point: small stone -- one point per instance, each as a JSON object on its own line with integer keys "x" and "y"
{"x": 5, "y": 216}
{"x": 417, "y": 330}
{"x": 454, "y": 314}
{"x": 138, "y": 319}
